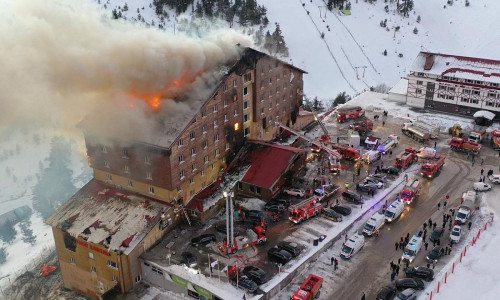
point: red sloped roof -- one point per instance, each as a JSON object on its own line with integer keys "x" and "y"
{"x": 268, "y": 163}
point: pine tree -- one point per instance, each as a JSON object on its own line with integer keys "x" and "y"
{"x": 199, "y": 10}
{"x": 405, "y": 6}
{"x": 329, "y": 5}
{"x": 55, "y": 186}
{"x": 279, "y": 41}
{"x": 8, "y": 232}
{"x": 3, "y": 255}
{"x": 268, "y": 42}
{"x": 28, "y": 236}
{"x": 341, "y": 99}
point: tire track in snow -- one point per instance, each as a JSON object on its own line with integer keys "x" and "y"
{"x": 328, "y": 47}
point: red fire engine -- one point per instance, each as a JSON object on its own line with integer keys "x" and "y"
{"x": 349, "y": 113}
{"x": 251, "y": 238}
{"x": 410, "y": 191}
{"x": 309, "y": 290}
{"x": 348, "y": 153}
{"x": 406, "y": 159}
{"x": 304, "y": 210}
{"x": 432, "y": 166}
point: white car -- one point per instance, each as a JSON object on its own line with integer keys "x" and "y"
{"x": 481, "y": 187}
{"x": 455, "y": 234}
{"x": 295, "y": 192}
{"x": 495, "y": 178}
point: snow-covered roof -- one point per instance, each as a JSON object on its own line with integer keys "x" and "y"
{"x": 104, "y": 215}
{"x": 457, "y": 66}
{"x": 484, "y": 114}
{"x": 401, "y": 87}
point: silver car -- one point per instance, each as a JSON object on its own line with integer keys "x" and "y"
{"x": 408, "y": 294}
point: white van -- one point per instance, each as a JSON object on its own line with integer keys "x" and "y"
{"x": 371, "y": 156}
{"x": 394, "y": 210}
{"x": 373, "y": 225}
{"x": 412, "y": 248}
{"x": 353, "y": 245}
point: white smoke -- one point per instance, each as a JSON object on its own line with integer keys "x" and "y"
{"x": 61, "y": 59}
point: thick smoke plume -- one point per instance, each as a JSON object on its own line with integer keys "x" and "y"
{"x": 62, "y": 59}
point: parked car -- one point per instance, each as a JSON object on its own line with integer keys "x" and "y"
{"x": 331, "y": 214}
{"x": 245, "y": 284}
{"x": 379, "y": 176}
{"x": 386, "y": 293}
{"x": 420, "y": 272}
{"x": 188, "y": 259}
{"x": 372, "y": 180}
{"x": 274, "y": 207}
{"x": 222, "y": 229}
{"x": 342, "y": 209}
{"x": 278, "y": 255}
{"x": 352, "y": 197}
{"x": 435, "y": 254}
{"x": 495, "y": 178}
{"x": 285, "y": 202}
{"x": 256, "y": 274}
{"x": 295, "y": 192}
{"x": 254, "y": 215}
{"x": 481, "y": 187}
{"x": 409, "y": 283}
{"x": 436, "y": 234}
{"x": 290, "y": 247}
{"x": 408, "y": 294}
{"x": 366, "y": 187}
{"x": 203, "y": 239}
{"x": 390, "y": 170}
{"x": 456, "y": 234}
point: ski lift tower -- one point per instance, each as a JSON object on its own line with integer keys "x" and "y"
{"x": 229, "y": 218}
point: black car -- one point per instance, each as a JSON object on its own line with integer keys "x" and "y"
{"x": 274, "y": 207}
{"x": 386, "y": 293}
{"x": 435, "y": 254}
{"x": 342, "y": 209}
{"x": 378, "y": 182}
{"x": 331, "y": 214}
{"x": 278, "y": 255}
{"x": 188, "y": 259}
{"x": 436, "y": 234}
{"x": 245, "y": 284}
{"x": 203, "y": 239}
{"x": 291, "y": 248}
{"x": 390, "y": 170}
{"x": 352, "y": 197}
{"x": 420, "y": 272}
{"x": 256, "y": 274}
{"x": 254, "y": 215}
{"x": 222, "y": 229}
{"x": 366, "y": 187}
{"x": 409, "y": 283}
{"x": 284, "y": 201}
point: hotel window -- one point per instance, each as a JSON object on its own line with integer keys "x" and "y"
{"x": 138, "y": 279}
{"x": 216, "y": 138}
{"x": 226, "y": 118}
{"x": 130, "y": 183}
{"x": 112, "y": 264}
{"x": 213, "y": 166}
{"x": 205, "y": 159}
{"x": 261, "y": 110}
{"x": 247, "y": 131}
{"x": 192, "y": 135}
{"x": 191, "y": 181}
{"x": 127, "y": 169}
{"x": 104, "y": 149}
{"x": 420, "y": 82}
{"x": 261, "y": 84}
{"x": 450, "y": 97}
{"x": 215, "y": 109}
{"x": 93, "y": 269}
{"x": 147, "y": 159}
{"x": 225, "y": 102}
{"x": 270, "y": 80}
{"x": 182, "y": 174}
{"x": 224, "y": 87}
{"x": 151, "y": 190}
{"x": 91, "y": 255}
{"x": 106, "y": 164}
{"x": 247, "y": 77}
{"x": 193, "y": 167}
{"x": 490, "y": 103}
{"x": 202, "y": 173}
{"x": 73, "y": 261}
{"x": 278, "y": 77}
{"x": 235, "y": 83}
{"x": 217, "y": 152}
{"x": 245, "y": 91}
{"x": 205, "y": 144}
{"x": 181, "y": 159}
{"x": 245, "y": 104}
{"x": 203, "y": 114}
{"x": 125, "y": 153}
{"x": 109, "y": 177}
{"x": 216, "y": 123}
{"x": 115, "y": 279}
{"x": 193, "y": 151}
{"x": 180, "y": 143}
{"x": 245, "y": 118}
{"x": 149, "y": 176}
{"x": 277, "y": 90}
{"x": 204, "y": 129}
{"x": 235, "y": 112}
{"x": 179, "y": 189}
{"x": 270, "y": 93}
{"x": 227, "y": 146}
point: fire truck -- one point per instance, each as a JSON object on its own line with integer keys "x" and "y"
{"x": 348, "y": 153}
{"x": 304, "y": 210}
{"x": 459, "y": 144}
{"x": 309, "y": 290}
{"x": 346, "y": 113}
{"x": 257, "y": 236}
{"x": 495, "y": 138}
{"x": 411, "y": 191}
{"x": 362, "y": 126}
{"x": 432, "y": 166}
{"x": 406, "y": 159}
